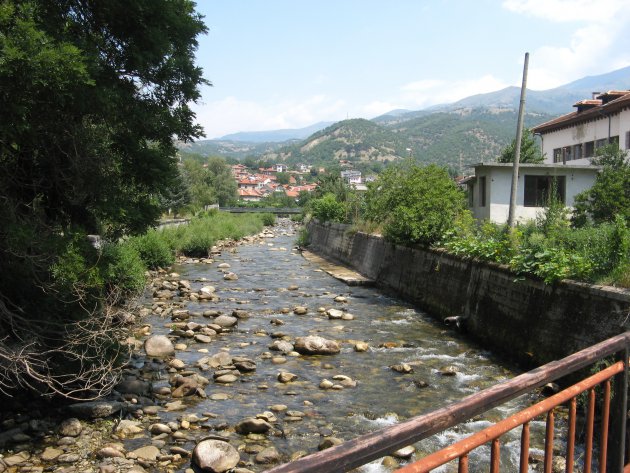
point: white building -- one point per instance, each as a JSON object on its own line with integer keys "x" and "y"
{"x": 489, "y": 189}
{"x": 351, "y": 176}
{"x": 573, "y": 138}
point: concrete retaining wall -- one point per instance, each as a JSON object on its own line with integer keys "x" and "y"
{"x": 525, "y": 320}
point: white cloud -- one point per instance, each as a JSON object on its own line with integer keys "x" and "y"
{"x": 232, "y": 114}
{"x": 569, "y": 10}
{"x": 421, "y": 85}
{"x": 598, "y": 45}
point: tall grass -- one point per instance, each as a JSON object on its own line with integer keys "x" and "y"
{"x": 197, "y": 237}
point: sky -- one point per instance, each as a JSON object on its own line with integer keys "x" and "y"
{"x": 277, "y": 64}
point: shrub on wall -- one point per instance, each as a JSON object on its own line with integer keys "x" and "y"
{"x": 414, "y": 204}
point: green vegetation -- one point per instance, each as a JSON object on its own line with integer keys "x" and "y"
{"x": 197, "y": 237}
{"x": 92, "y": 95}
{"x": 414, "y": 204}
{"x": 328, "y": 209}
{"x": 530, "y": 150}
{"x": 610, "y": 195}
{"x": 208, "y": 181}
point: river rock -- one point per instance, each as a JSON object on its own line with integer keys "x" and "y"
{"x": 224, "y": 266}
{"x": 449, "y": 370}
{"x": 70, "y": 427}
{"x": 215, "y": 456}
{"x": 286, "y": 377}
{"x": 51, "y": 454}
{"x": 149, "y": 452}
{"x": 245, "y": 366}
{"x": 404, "y": 452}
{"x": 267, "y": 456}
{"x": 133, "y": 385}
{"x": 300, "y": 310}
{"x": 252, "y": 426}
{"x": 341, "y": 299}
{"x": 157, "y": 429}
{"x": 184, "y": 386}
{"x": 361, "y": 347}
{"x": 230, "y": 277}
{"x": 281, "y": 346}
{"x": 128, "y": 428}
{"x": 226, "y": 321}
{"x": 403, "y": 368}
{"x": 207, "y": 290}
{"x": 315, "y": 345}
{"x": 109, "y": 451}
{"x": 94, "y": 409}
{"x": 201, "y": 338}
{"x": 226, "y": 379}
{"x": 329, "y": 442}
{"x": 159, "y": 346}
{"x": 334, "y": 314}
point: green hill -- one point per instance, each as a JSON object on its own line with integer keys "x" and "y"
{"x": 356, "y": 140}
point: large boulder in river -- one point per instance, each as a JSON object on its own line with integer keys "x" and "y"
{"x": 215, "y": 456}
{"x": 314, "y": 345}
{"x": 159, "y": 346}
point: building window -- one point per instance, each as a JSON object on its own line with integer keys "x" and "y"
{"x": 557, "y": 155}
{"x": 627, "y": 139}
{"x": 600, "y": 143}
{"x": 482, "y": 191}
{"x": 471, "y": 195}
{"x": 577, "y": 151}
{"x": 538, "y": 190}
{"x": 589, "y": 149}
{"x": 614, "y": 140}
{"x": 568, "y": 155}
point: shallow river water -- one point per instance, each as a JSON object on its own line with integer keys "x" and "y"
{"x": 382, "y": 396}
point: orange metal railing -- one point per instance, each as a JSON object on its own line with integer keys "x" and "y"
{"x": 613, "y": 441}
{"x": 461, "y": 449}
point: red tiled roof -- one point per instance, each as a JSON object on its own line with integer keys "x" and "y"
{"x": 594, "y": 113}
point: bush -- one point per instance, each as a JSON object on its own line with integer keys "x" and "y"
{"x": 415, "y": 204}
{"x": 123, "y": 269}
{"x": 328, "y": 209}
{"x": 154, "y": 249}
{"x": 268, "y": 219}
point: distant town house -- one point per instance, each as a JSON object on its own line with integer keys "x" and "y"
{"x": 573, "y": 139}
{"x": 351, "y": 176}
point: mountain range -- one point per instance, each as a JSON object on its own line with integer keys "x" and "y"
{"x": 468, "y": 131}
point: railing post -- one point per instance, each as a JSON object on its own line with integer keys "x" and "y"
{"x": 617, "y": 442}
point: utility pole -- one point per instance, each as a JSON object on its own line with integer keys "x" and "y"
{"x": 517, "y": 147}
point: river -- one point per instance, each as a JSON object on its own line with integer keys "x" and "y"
{"x": 273, "y": 278}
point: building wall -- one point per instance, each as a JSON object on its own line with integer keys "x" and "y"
{"x": 498, "y": 188}
{"x": 531, "y": 322}
{"x": 590, "y": 131}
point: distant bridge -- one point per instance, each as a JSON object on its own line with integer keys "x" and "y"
{"x": 271, "y": 210}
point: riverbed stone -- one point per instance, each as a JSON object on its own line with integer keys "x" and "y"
{"x": 300, "y": 310}
{"x": 252, "y": 425}
{"x": 148, "y": 452}
{"x": 201, "y": 338}
{"x": 334, "y": 314}
{"x": 226, "y": 321}
{"x": 230, "y": 277}
{"x": 110, "y": 452}
{"x": 215, "y": 456}
{"x": 281, "y": 346}
{"x": 329, "y": 442}
{"x": 315, "y": 345}
{"x": 159, "y": 346}
{"x": 449, "y": 370}
{"x": 70, "y": 427}
{"x": 402, "y": 368}
{"x": 267, "y": 456}
{"x": 405, "y": 452}
{"x": 128, "y": 428}
{"x": 286, "y": 377}
{"x": 361, "y": 347}
{"x": 94, "y": 409}
{"x": 50, "y": 454}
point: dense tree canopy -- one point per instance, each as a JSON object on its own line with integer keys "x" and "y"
{"x": 530, "y": 150}
{"x": 92, "y": 95}
{"x": 414, "y": 204}
{"x": 610, "y": 195}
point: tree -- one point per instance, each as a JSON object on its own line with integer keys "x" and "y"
{"x": 610, "y": 195}
{"x": 282, "y": 178}
{"x": 414, "y": 204}
{"x": 92, "y": 96}
{"x": 530, "y": 151}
